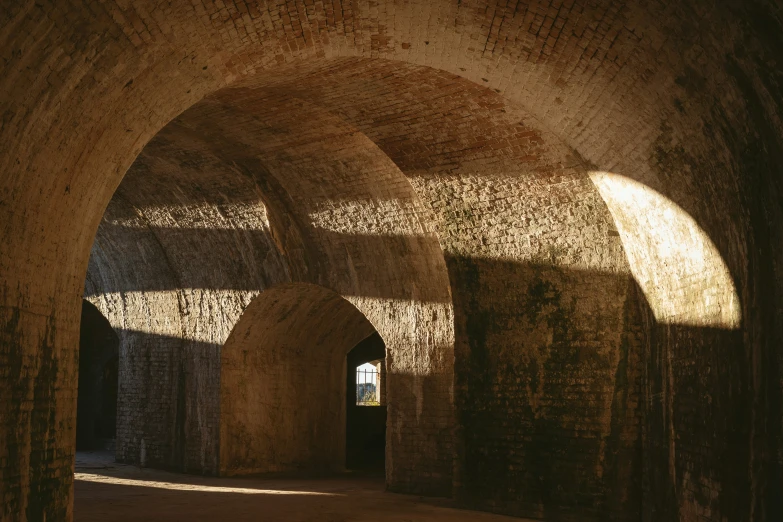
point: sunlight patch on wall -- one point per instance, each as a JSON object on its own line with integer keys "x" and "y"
{"x": 389, "y": 217}
{"x": 158, "y": 312}
{"x": 419, "y": 333}
{"x": 208, "y": 216}
{"x": 677, "y": 266}
{"x": 501, "y": 216}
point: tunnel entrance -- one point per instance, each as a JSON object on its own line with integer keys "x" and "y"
{"x": 96, "y": 407}
{"x": 365, "y": 431}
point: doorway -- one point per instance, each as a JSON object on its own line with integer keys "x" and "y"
{"x": 365, "y": 433}
{"x": 96, "y": 406}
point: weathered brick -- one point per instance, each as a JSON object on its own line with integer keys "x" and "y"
{"x": 681, "y": 97}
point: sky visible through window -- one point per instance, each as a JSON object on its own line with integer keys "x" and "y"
{"x": 366, "y": 384}
{"x": 366, "y": 373}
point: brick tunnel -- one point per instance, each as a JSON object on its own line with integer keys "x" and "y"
{"x": 552, "y": 227}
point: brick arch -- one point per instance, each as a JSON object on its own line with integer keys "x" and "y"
{"x": 558, "y": 249}
{"x": 98, "y": 357}
{"x": 230, "y": 200}
{"x": 701, "y": 117}
{"x": 282, "y": 381}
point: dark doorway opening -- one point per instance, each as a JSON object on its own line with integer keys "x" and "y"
{"x": 96, "y": 406}
{"x": 365, "y": 434}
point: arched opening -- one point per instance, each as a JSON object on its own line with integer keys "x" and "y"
{"x": 365, "y": 431}
{"x": 96, "y": 412}
{"x": 282, "y": 372}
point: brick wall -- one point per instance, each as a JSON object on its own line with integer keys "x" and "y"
{"x": 545, "y": 312}
{"x": 343, "y": 196}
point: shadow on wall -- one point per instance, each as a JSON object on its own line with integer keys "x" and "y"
{"x": 698, "y": 428}
{"x": 169, "y": 388}
{"x": 567, "y": 388}
{"x": 96, "y": 410}
{"x": 549, "y": 384}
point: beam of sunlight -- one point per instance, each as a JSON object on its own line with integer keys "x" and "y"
{"x": 157, "y": 312}
{"x": 381, "y": 217}
{"x": 203, "y": 216}
{"x": 677, "y": 266}
{"x": 117, "y": 481}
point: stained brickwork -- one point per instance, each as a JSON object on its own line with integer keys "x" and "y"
{"x": 682, "y": 97}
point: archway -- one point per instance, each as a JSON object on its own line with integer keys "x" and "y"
{"x": 333, "y": 204}
{"x": 259, "y": 203}
{"x": 96, "y": 413}
{"x": 366, "y": 405}
{"x": 283, "y": 367}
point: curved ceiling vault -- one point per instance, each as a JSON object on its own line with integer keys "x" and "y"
{"x": 630, "y": 75}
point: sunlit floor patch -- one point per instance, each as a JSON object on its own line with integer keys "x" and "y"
{"x": 125, "y": 493}
{"x": 91, "y": 477}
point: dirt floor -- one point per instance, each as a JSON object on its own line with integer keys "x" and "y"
{"x": 106, "y": 491}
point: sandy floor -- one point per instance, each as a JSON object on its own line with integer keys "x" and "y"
{"x": 108, "y": 491}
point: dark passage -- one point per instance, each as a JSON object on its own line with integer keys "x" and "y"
{"x": 366, "y": 422}
{"x": 96, "y": 409}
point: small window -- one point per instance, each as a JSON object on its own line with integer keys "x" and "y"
{"x": 368, "y": 384}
